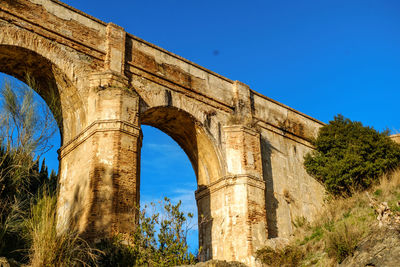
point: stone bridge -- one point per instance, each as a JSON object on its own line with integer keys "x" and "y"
{"x": 102, "y": 84}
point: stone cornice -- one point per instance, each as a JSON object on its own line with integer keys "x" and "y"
{"x": 227, "y": 181}
{"x": 100, "y": 126}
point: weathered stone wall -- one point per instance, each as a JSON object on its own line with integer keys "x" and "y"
{"x": 290, "y": 192}
{"x": 247, "y": 150}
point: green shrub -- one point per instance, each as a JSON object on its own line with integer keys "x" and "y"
{"x": 350, "y": 156}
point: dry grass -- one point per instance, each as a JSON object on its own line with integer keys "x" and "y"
{"x": 287, "y": 256}
{"x": 343, "y": 241}
{"x": 50, "y": 248}
{"x": 334, "y": 235}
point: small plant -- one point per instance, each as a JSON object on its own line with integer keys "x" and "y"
{"x": 329, "y": 225}
{"x": 395, "y": 206}
{"x": 343, "y": 241}
{"x": 316, "y": 235}
{"x": 347, "y": 214}
{"x": 287, "y": 256}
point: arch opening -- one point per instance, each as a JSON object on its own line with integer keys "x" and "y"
{"x": 167, "y": 172}
{"x": 198, "y": 145}
{"x": 191, "y": 136}
{"x": 49, "y": 82}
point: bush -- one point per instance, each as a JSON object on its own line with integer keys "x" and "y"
{"x": 348, "y": 155}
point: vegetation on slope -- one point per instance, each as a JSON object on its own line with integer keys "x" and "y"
{"x": 335, "y": 234}
{"x": 356, "y": 164}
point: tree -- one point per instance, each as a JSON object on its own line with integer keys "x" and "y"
{"x": 26, "y": 126}
{"x": 350, "y": 156}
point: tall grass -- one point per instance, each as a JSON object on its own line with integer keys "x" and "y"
{"x": 50, "y": 248}
{"x": 343, "y": 241}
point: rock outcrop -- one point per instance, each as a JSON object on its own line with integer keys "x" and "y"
{"x": 380, "y": 249}
{"x": 382, "y": 246}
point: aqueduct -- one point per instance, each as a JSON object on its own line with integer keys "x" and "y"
{"x": 102, "y": 84}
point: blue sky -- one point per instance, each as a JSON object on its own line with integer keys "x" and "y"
{"x": 319, "y": 57}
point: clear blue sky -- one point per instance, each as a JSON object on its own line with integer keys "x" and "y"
{"x": 319, "y": 57}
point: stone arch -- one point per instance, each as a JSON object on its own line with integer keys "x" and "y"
{"x": 25, "y": 56}
{"x": 191, "y": 136}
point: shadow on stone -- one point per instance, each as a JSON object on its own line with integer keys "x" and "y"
{"x": 271, "y": 202}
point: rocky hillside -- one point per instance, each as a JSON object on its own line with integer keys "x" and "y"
{"x": 362, "y": 230}
{"x": 380, "y": 248}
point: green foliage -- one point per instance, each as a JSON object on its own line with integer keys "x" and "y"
{"x": 350, "y": 156}
{"x": 317, "y": 233}
{"x": 287, "y": 256}
{"x": 158, "y": 240}
{"x": 173, "y": 247}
